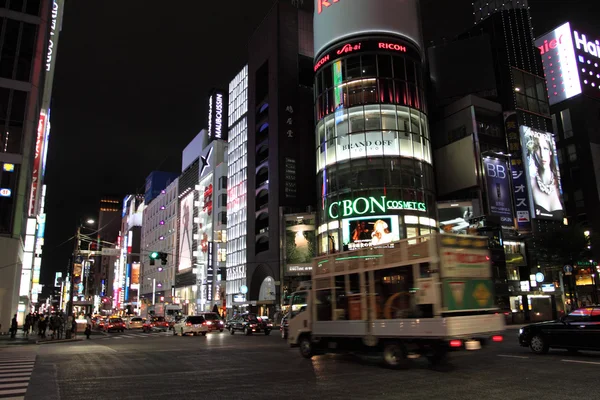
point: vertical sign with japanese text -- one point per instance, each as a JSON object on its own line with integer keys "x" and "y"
{"x": 520, "y": 193}
{"x": 290, "y": 163}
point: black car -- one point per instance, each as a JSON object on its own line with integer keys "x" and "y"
{"x": 249, "y": 323}
{"x": 580, "y": 330}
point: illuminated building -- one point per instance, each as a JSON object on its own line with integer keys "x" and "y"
{"x": 202, "y": 227}
{"x": 109, "y": 219}
{"x": 159, "y": 233}
{"x": 30, "y": 35}
{"x": 492, "y": 109}
{"x": 374, "y": 162}
{"x": 270, "y": 134}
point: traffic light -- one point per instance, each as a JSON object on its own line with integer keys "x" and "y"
{"x": 153, "y": 256}
{"x": 163, "y": 258}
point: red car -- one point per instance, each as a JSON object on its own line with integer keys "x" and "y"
{"x": 114, "y": 324}
{"x": 155, "y": 323}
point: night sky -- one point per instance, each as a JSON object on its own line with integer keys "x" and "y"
{"x": 131, "y": 85}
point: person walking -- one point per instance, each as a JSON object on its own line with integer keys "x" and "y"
{"x": 13, "y": 327}
{"x": 27, "y": 324}
{"x": 73, "y": 327}
{"x": 88, "y": 326}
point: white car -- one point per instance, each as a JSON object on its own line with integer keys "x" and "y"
{"x": 192, "y": 324}
{"x": 134, "y": 323}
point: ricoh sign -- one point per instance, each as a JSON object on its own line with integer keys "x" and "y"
{"x": 217, "y": 115}
{"x": 571, "y": 61}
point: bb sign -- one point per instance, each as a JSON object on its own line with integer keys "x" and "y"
{"x": 371, "y": 206}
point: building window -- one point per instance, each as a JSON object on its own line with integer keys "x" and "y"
{"x": 223, "y": 200}
{"x": 223, "y": 182}
{"x": 572, "y": 151}
{"x": 565, "y": 116}
{"x": 223, "y": 218}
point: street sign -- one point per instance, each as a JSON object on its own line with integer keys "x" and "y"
{"x": 110, "y": 252}
{"x": 568, "y": 269}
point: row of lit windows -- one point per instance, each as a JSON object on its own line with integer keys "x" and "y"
{"x": 237, "y": 170}
{"x": 238, "y": 96}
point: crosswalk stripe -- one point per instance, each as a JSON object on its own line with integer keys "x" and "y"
{"x": 15, "y": 374}
{"x": 13, "y": 391}
{"x": 22, "y": 385}
{"x": 23, "y": 378}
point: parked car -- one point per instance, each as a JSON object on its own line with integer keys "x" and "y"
{"x": 283, "y": 328}
{"x": 192, "y": 324}
{"x": 249, "y": 323}
{"x": 580, "y": 330}
{"x": 134, "y": 323}
{"x": 114, "y": 324}
{"x": 213, "y": 321}
{"x": 156, "y": 324}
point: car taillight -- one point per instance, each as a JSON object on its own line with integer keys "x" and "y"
{"x": 455, "y": 343}
{"x": 110, "y": 326}
{"x": 253, "y": 325}
{"x": 188, "y": 324}
{"x": 497, "y": 338}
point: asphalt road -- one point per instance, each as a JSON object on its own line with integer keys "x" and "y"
{"x": 221, "y": 366}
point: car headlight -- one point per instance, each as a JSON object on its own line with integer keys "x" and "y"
{"x": 521, "y": 331}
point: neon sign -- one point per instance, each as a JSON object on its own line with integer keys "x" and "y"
{"x": 592, "y": 48}
{"x": 37, "y": 160}
{"x": 4, "y": 192}
{"x": 393, "y": 46}
{"x": 371, "y": 205}
{"x": 324, "y": 3}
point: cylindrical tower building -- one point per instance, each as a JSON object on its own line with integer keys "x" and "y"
{"x": 374, "y": 162}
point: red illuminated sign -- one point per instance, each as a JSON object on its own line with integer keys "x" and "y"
{"x": 321, "y": 62}
{"x": 325, "y": 4}
{"x": 550, "y": 45}
{"x": 374, "y": 45}
{"x": 348, "y": 48}
{"x": 37, "y": 161}
{"x": 392, "y": 46}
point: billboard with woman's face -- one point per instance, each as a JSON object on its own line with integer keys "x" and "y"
{"x": 541, "y": 165}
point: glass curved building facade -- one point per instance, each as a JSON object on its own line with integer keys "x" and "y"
{"x": 374, "y": 161}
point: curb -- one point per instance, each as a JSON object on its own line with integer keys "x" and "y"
{"x": 57, "y": 341}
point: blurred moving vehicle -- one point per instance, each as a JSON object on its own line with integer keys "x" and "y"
{"x": 171, "y": 312}
{"x": 213, "y": 321}
{"x": 389, "y": 299}
{"x": 579, "y": 330}
{"x": 134, "y": 323}
{"x": 155, "y": 324}
{"x": 192, "y": 324}
{"x": 249, "y": 323}
{"x": 114, "y": 324}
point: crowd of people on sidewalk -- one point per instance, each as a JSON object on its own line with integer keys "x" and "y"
{"x": 53, "y": 325}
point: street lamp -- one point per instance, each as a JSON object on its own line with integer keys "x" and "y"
{"x": 76, "y": 248}
{"x": 153, "y": 289}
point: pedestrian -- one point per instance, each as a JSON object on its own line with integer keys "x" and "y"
{"x": 42, "y": 326}
{"x": 88, "y": 326}
{"x": 27, "y": 325}
{"x": 13, "y": 327}
{"x": 74, "y": 327}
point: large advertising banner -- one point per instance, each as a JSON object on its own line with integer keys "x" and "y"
{"x": 186, "y": 218}
{"x": 498, "y": 189}
{"x": 543, "y": 175}
{"x": 519, "y": 179}
{"x": 299, "y": 244}
{"x": 460, "y": 217}
{"x": 370, "y": 231}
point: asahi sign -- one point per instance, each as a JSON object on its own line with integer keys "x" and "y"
{"x": 371, "y": 206}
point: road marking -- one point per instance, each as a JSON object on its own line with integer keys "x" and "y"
{"x": 509, "y": 356}
{"x": 117, "y": 337}
{"x": 581, "y": 362}
{"x": 15, "y": 375}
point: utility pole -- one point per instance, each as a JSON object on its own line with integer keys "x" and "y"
{"x": 71, "y": 281}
